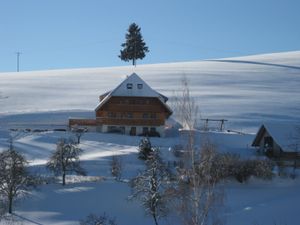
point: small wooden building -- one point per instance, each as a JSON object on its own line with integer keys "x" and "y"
{"x": 133, "y": 108}
{"x": 278, "y": 140}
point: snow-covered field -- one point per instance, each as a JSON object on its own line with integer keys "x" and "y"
{"x": 247, "y": 91}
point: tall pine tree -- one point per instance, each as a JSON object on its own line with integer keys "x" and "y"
{"x": 134, "y": 48}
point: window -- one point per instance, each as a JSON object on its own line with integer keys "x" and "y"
{"x": 145, "y": 130}
{"x": 140, "y": 86}
{"x": 153, "y": 116}
{"x": 122, "y": 130}
{"x": 129, "y": 115}
{"x": 114, "y": 129}
{"x": 139, "y": 101}
{"x": 111, "y": 129}
{"x": 152, "y": 129}
{"x": 129, "y": 86}
{"x": 132, "y": 131}
{"x": 145, "y": 115}
{"x": 112, "y": 114}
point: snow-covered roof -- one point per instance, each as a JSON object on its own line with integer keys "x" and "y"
{"x": 287, "y": 136}
{"x": 134, "y": 86}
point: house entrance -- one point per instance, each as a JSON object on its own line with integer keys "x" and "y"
{"x": 132, "y": 131}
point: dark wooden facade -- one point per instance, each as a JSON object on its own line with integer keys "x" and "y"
{"x": 137, "y": 111}
{"x": 133, "y": 107}
{"x": 82, "y": 122}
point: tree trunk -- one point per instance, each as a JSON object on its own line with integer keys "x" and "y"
{"x": 64, "y": 178}
{"x": 10, "y": 200}
{"x": 155, "y": 219}
{"x": 78, "y": 139}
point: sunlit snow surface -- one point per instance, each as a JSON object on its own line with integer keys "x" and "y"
{"x": 247, "y": 91}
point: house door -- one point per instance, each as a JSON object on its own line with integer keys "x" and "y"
{"x": 133, "y": 131}
{"x": 268, "y": 142}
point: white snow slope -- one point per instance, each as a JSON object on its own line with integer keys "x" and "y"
{"x": 247, "y": 91}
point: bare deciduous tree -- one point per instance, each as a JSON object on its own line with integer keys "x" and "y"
{"x": 78, "y": 133}
{"x": 151, "y": 185}
{"x": 14, "y": 177}
{"x": 198, "y": 194}
{"x": 186, "y": 110}
{"x": 65, "y": 160}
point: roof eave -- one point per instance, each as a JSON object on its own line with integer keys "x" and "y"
{"x": 103, "y": 102}
{"x": 258, "y": 136}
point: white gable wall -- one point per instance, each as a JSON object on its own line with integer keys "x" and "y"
{"x": 135, "y": 81}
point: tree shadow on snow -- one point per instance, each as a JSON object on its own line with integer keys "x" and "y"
{"x": 26, "y": 219}
{"x": 257, "y": 63}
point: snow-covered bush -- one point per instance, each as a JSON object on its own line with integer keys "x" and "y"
{"x": 2, "y": 209}
{"x": 178, "y": 150}
{"x": 226, "y": 165}
{"x": 145, "y": 148}
{"x": 151, "y": 186}
{"x": 231, "y": 165}
{"x": 116, "y": 167}
{"x": 94, "y": 219}
{"x": 259, "y": 168}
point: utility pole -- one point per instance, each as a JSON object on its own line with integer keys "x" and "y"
{"x": 18, "y": 60}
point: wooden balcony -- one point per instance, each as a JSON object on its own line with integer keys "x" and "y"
{"x": 82, "y": 122}
{"x": 130, "y": 121}
{"x": 134, "y": 108}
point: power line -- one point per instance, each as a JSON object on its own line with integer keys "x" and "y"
{"x": 18, "y": 60}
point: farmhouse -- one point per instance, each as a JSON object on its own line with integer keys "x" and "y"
{"x": 278, "y": 140}
{"x": 133, "y": 108}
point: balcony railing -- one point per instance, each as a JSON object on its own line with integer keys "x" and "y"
{"x": 130, "y": 121}
{"x": 134, "y": 108}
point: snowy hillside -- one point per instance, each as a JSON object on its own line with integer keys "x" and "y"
{"x": 245, "y": 90}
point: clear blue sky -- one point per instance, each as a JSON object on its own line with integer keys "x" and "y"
{"x": 55, "y": 34}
